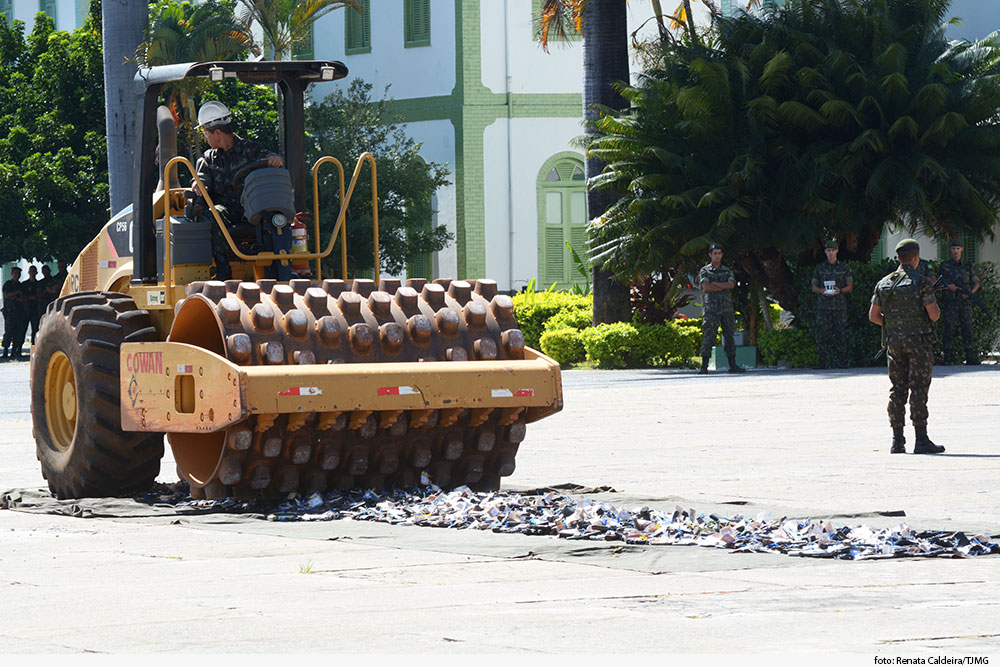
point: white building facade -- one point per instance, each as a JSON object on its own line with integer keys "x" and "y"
{"x": 480, "y": 95}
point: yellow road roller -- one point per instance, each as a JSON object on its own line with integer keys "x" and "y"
{"x": 266, "y": 386}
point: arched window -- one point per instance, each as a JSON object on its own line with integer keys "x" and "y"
{"x": 562, "y": 217}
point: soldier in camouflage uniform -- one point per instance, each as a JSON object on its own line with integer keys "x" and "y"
{"x": 227, "y": 154}
{"x": 717, "y": 282}
{"x": 831, "y": 281}
{"x": 903, "y": 304}
{"x": 956, "y": 308}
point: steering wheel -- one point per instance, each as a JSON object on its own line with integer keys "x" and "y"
{"x": 242, "y": 173}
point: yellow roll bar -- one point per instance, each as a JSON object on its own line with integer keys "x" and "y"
{"x": 345, "y": 200}
{"x": 270, "y": 256}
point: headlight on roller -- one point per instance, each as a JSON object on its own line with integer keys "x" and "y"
{"x": 279, "y": 220}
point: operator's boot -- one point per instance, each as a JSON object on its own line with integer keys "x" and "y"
{"x": 733, "y": 367}
{"x": 971, "y": 359}
{"x": 704, "y": 366}
{"x": 923, "y": 445}
{"x": 898, "y": 441}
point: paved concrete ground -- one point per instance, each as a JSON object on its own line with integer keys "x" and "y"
{"x": 795, "y": 443}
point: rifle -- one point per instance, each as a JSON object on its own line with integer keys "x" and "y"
{"x": 940, "y": 284}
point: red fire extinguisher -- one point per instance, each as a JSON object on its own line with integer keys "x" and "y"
{"x": 300, "y": 243}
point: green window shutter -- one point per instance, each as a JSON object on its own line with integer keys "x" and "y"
{"x": 82, "y": 12}
{"x": 357, "y": 29}
{"x": 49, "y": 7}
{"x": 878, "y": 253}
{"x": 562, "y": 219}
{"x": 417, "y": 23}
{"x": 307, "y": 49}
{"x": 971, "y": 252}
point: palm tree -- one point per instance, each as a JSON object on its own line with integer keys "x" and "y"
{"x": 286, "y": 24}
{"x": 818, "y": 120}
{"x": 605, "y": 63}
{"x": 124, "y": 23}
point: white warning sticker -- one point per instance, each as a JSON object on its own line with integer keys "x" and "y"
{"x": 156, "y": 298}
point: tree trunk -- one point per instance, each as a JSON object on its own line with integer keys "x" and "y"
{"x": 769, "y": 268}
{"x": 124, "y": 22}
{"x": 605, "y": 62}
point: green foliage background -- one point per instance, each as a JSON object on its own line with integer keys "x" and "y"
{"x": 346, "y": 124}
{"x": 864, "y": 338}
{"x": 53, "y": 156}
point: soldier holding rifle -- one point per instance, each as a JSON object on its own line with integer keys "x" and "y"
{"x": 956, "y": 305}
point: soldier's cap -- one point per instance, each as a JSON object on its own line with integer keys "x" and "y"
{"x": 715, "y": 246}
{"x": 906, "y": 244}
{"x": 957, "y": 243}
{"x": 832, "y": 244}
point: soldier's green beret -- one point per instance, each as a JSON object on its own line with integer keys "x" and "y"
{"x": 715, "y": 246}
{"x": 957, "y": 243}
{"x": 831, "y": 244}
{"x": 907, "y": 244}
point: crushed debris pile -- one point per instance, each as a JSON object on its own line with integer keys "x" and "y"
{"x": 586, "y": 519}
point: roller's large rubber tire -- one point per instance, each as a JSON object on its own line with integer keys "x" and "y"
{"x": 75, "y": 406}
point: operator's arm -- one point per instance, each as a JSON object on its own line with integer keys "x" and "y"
{"x": 205, "y": 174}
{"x": 875, "y": 315}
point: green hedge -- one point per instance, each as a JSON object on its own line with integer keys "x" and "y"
{"x": 564, "y": 345}
{"x": 793, "y": 346}
{"x": 534, "y": 309}
{"x": 623, "y": 345}
{"x": 864, "y": 338}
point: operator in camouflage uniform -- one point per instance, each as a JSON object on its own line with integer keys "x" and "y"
{"x": 227, "y": 154}
{"x": 956, "y": 308}
{"x": 831, "y": 281}
{"x": 717, "y": 282}
{"x": 904, "y": 304}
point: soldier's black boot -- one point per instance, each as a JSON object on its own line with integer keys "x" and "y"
{"x": 734, "y": 368}
{"x": 923, "y": 444}
{"x": 898, "y": 441}
{"x": 704, "y": 366}
{"x": 970, "y": 358}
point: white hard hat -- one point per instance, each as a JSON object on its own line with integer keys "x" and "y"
{"x": 212, "y": 114}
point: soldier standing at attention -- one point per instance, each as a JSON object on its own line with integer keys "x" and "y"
{"x": 956, "y": 308}
{"x": 831, "y": 281}
{"x": 904, "y": 304}
{"x": 717, "y": 282}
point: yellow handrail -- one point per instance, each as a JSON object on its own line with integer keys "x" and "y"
{"x": 343, "y": 207}
{"x": 270, "y": 256}
{"x": 343, "y": 230}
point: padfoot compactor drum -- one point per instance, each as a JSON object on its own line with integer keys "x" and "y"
{"x": 266, "y": 387}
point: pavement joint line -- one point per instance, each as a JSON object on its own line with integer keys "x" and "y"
{"x": 932, "y": 639}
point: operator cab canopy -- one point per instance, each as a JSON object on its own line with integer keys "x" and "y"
{"x": 292, "y": 79}
{"x": 263, "y": 72}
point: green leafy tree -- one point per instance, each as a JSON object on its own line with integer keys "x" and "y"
{"x": 53, "y": 160}
{"x": 819, "y": 119}
{"x": 345, "y": 125}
